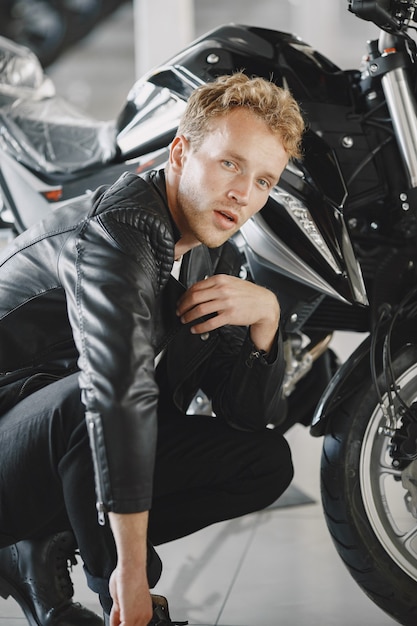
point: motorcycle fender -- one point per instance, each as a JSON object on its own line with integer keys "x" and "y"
{"x": 356, "y": 369}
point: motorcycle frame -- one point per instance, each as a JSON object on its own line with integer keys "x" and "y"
{"x": 392, "y": 69}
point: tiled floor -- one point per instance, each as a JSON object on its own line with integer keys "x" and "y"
{"x": 274, "y": 568}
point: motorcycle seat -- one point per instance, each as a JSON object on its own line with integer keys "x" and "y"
{"x": 53, "y": 139}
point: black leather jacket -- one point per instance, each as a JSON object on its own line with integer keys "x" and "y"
{"x": 90, "y": 290}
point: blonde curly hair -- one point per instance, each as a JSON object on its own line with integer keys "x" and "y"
{"x": 275, "y": 105}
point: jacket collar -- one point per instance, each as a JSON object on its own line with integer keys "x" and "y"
{"x": 156, "y": 178}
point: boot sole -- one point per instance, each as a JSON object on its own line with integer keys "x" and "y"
{"x": 7, "y": 589}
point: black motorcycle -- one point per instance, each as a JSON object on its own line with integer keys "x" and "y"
{"x": 337, "y": 242}
{"x": 50, "y": 27}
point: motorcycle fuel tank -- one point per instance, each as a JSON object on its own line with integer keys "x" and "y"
{"x": 156, "y": 101}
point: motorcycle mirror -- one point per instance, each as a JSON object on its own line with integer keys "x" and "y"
{"x": 376, "y": 11}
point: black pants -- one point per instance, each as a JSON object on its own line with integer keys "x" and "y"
{"x": 205, "y": 472}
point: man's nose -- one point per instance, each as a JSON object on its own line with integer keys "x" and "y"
{"x": 240, "y": 190}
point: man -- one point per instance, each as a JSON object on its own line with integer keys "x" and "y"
{"x": 104, "y": 351}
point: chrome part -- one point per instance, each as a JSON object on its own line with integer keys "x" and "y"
{"x": 212, "y": 58}
{"x": 200, "y": 405}
{"x": 402, "y": 107}
{"x": 300, "y": 214}
{"x": 347, "y": 142}
{"x": 320, "y": 348}
{"x": 353, "y": 269}
{"x": 409, "y": 482}
{"x": 274, "y": 253}
{"x": 298, "y": 365}
{"x": 159, "y": 107}
{"x": 158, "y": 113}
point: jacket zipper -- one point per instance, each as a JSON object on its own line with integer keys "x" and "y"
{"x": 92, "y": 432}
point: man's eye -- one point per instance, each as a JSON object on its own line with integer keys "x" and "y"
{"x": 228, "y": 164}
{"x": 264, "y": 183}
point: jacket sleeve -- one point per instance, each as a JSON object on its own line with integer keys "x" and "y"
{"x": 245, "y": 386}
{"x": 111, "y": 293}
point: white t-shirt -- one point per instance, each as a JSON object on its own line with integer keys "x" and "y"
{"x": 175, "y": 272}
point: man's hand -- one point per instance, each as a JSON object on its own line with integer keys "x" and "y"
{"x": 234, "y": 301}
{"x": 132, "y": 604}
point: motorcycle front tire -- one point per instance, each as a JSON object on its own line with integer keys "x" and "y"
{"x": 363, "y": 497}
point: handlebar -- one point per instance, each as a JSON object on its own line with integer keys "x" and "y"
{"x": 387, "y": 14}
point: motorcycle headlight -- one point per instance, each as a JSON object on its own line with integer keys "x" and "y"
{"x": 302, "y": 216}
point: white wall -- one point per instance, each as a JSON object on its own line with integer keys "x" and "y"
{"x": 147, "y": 32}
{"x": 165, "y": 26}
{"x": 162, "y": 28}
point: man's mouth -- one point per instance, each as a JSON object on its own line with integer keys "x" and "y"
{"x": 229, "y": 216}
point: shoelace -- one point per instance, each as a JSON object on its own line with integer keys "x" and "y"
{"x": 65, "y": 559}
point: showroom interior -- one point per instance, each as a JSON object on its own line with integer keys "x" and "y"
{"x": 277, "y": 567}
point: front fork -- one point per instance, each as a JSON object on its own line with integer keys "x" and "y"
{"x": 392, "y": 66}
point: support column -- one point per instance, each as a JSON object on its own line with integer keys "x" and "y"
{"x": 162, "y": 28}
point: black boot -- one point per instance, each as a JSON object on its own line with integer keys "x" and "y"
{"x": 160, "y": 616}
{"x": 35, "y": 573}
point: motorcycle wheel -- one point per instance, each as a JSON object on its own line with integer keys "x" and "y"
{"x": 363, "y": 498}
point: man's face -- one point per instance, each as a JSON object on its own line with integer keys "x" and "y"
{"x": 226, "y": 179}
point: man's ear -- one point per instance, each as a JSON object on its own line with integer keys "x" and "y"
{"x": 179, "y": 147}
